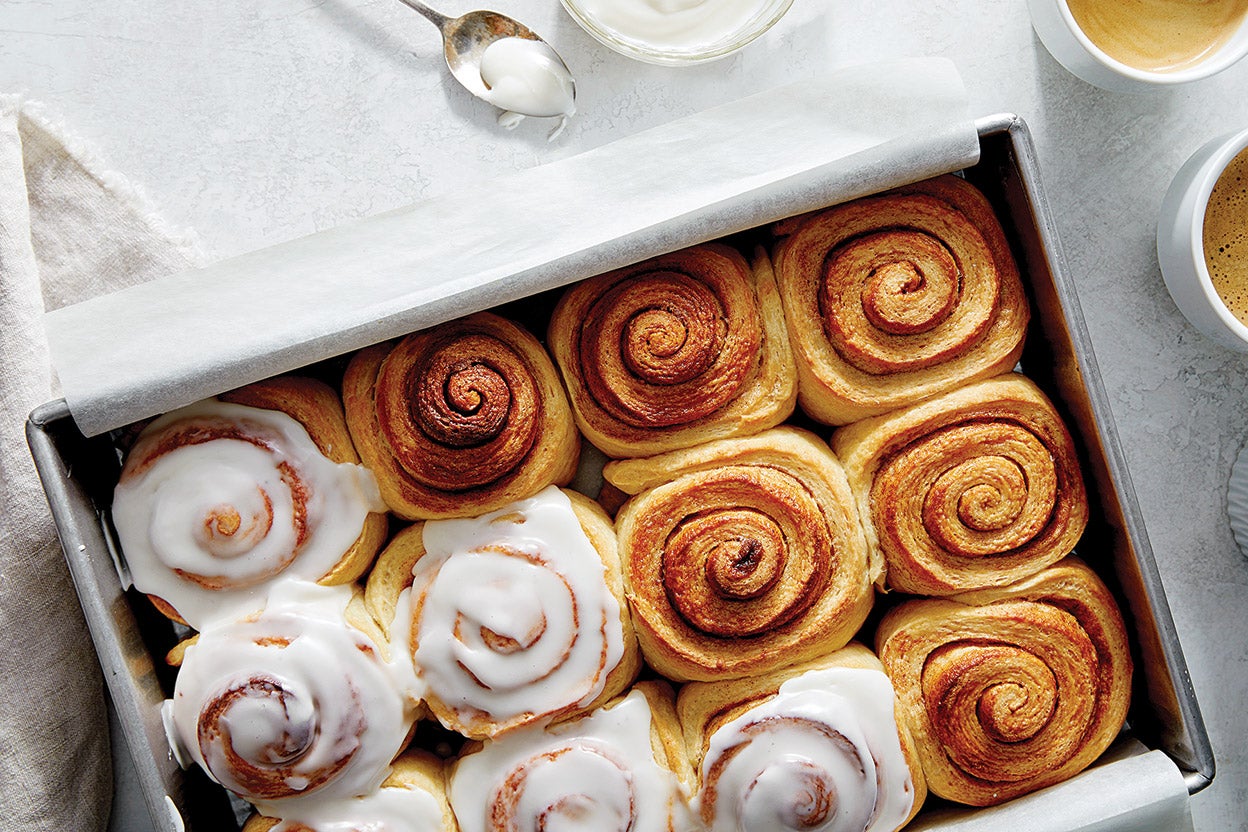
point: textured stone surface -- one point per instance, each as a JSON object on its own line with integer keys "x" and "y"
{"x": 258, "y": 122}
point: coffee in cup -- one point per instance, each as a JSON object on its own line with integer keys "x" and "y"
{"x": 1159, "y": 35}
{"x": 1225, "y": 236}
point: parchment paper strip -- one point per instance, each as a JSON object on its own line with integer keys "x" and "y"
{"x": 135, "y": 353}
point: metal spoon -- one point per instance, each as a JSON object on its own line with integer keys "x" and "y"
{"x": 465, "y": 38}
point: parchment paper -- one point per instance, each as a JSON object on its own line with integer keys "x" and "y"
{"x": 135, "y": 353}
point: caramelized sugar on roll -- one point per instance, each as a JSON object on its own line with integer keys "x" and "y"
{"x": 741, "y": 555}
{"x": 460, "y": 419}
{"x": 815, "y": 747}
{"x": 1009, "y": 690}
{"x": 978, "y": 487}
{"x": 217, "y": 500}
{"x": 894, "y": 298}
{"x": 291, "y": 706}
{"x": 674, "y": 351}
{"x": 599, "y": 773}
{"x": 516, "y": 617}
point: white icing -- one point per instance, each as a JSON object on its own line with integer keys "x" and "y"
{"x": 597, "y": 774}
{"x": 390, "y": 809}
{"x": 527, "y": 573}
{"x": 338, "y": 699}
{"x": 686, "y": 24}
{"x": 526, "y": 78}
{"x": 176, "y": 512}
{"x": 775, "y": 768}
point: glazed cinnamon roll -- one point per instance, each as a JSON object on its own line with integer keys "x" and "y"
{"x": 1009, "y": 690}
{"x": 412, "y": 798}
{"x": 219, "y": 499}
{"x": 460, "y": 419}
{"x": 615, "y": 770}
{"x": 897, "y": 297}
{"x": 514, "y": 618}
{"x": 675, "y": 351}
{"x": 293, "y": 707}
{"x": 820, "y": 746}
{"x": 979, "y": 487}
{"x": 742, "y": 555}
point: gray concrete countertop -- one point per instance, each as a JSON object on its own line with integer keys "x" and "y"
{"x": 253, "y": 123}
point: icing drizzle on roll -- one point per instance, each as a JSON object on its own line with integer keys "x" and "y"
{"x": 598, "y": 773}
{"x": 390, "y": 809}
{"x": 822, "y": 754}
{"x": 217, "y": 500}
{"x": 513, "y": 621}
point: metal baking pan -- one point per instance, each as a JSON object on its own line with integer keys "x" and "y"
{"x": 131, "y": 638}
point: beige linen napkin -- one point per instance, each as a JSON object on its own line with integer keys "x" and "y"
{"x": 68, "y": 231}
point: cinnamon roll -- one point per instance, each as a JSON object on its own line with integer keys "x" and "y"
{"x": 615, "y": 770}
{"x": 412, "y": 798}
{"x": 675, "y": 351}
{"x": 820, "y": 746}
{"x": 460, "y": 419}
{"x": 742, "y": 555}
{"x": 291, "y": 708}
{"x": 219, "y": 499}
{"x": 897, "y": 297}
{"x": 979, "y": 487}
{"x": 1009, "y": 690}
{"x": 514, "y": 618}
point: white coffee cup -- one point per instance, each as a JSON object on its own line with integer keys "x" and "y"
{"x": 1062, "y": 36}
{"x": 1180, "y": 241}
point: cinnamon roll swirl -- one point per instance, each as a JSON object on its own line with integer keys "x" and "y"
{"x": 820, "y": 746}
{"x": 514, "y": 618}
{"x": 675, "y": 351}
{"x": 741, "y": 556}
{"x": 979, "y": 487}
{"x": 291, "y": 707}
{"x": 615, "y": 770}
{"x": 460, "y": 419}
{"x": 897, "y": 297}
{"x": 1009, "y": 690}
{"x": 219, "y": 499}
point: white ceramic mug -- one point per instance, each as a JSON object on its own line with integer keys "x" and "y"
{"x": 1180, "y": 241}
{"x": 1073, "y": 49}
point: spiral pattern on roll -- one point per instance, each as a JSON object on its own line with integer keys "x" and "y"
{"x": 1013, "y": 689}
{"x": 976, "y": 488}
{"x": 461, "y": 418}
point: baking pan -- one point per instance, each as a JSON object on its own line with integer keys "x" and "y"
{"x": 131, "y": 638}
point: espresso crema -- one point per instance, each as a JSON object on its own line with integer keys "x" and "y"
{"x": 1159, "y": 35}
{"x": 1226, "y": 236}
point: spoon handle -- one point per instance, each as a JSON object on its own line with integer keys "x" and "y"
{"x": 439, "y": 20}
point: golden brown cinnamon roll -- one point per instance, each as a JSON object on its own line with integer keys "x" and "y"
{"x": 219, "y": 499}
{"x": 742, "y": 555}
{"x": 675, "y": 351}
{"x": 460, "y": 419}
{"x": 514, "y": 618}
{"x": 1009, "y": 690}
{"x": 978, "y": 487}
{"x": 897, "y": 297}
{"x": 820, "y": 746}
{"x": 622, "y": 768}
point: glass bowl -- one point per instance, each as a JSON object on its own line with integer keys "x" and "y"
{"x": 755, "y": 18}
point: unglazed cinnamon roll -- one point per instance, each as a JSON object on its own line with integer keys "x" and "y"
{"x": 1009, "y": 690}
{"x": 514, "y": 618}
{"x": 821, "y": 746}
{"x": 976, "y": 488}
{"x": 617, "y": 770}
{"x": 460, "y": 419}
{"x": 412, "y": 798}
{"x": 675, "y": 351}
{"x": 741, "y": 556}
{"x": 897, "y": 297}
{"x": 292, "y": 708}
{"x": 219, "y": 499}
